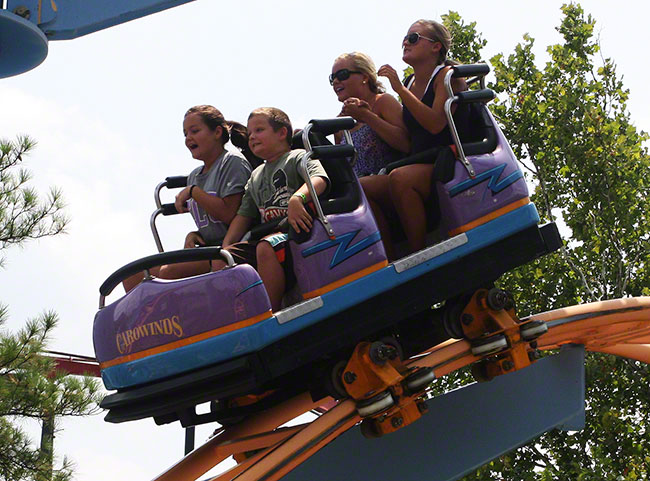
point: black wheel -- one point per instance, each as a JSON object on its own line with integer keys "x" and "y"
{"x": 394, "y": 343}
{"x": 533, "y": 329}
{"x": 375, "y": 404}
{"x": 497, "y": 299}
{"x": 480, "y": 372}
{"x": 334, "y": 381}
{"x": 451, "y": 320}
{"x": 381, "y": 352}
{"x": 419, "y": 380}
{"x": 369, "y": 429}
{"x": 489, "y": 345}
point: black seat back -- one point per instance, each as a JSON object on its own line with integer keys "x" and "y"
{"x": 482, "y": 134}
{"x": 344, "y": 193}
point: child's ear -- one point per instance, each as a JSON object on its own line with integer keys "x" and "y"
{"x": 218, "y": 132}
{"x": 285, "y": 132}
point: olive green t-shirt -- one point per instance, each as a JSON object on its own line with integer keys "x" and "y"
{"x": 272, "y": 184}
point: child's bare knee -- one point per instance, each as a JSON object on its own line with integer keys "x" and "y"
{"x": 217, "y": 265}
{"x": 166, "y": 271}
{"x": 264, "y": 252}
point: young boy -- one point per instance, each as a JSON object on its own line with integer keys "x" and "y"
{"x": 275, "y": 189}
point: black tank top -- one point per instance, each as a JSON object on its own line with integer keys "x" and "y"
{"x": 421, "y": 138}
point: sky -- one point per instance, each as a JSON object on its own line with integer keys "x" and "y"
{"x": 107, "y": 109}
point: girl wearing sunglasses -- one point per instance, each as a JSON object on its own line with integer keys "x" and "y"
{"x": 380, "y": 135}
{"x": 406, "y": 190}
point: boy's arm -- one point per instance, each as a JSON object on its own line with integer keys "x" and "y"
{"x": 238, "y": 227}
{"x": 319, "y": 183}
{"x": 298, "y": 217}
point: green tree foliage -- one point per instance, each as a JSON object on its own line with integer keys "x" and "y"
{"x": 22, "y": 215}
{"x": 467, "y": 42}
{"x": 30, "y": 387}
{"x": 568, "y": 123}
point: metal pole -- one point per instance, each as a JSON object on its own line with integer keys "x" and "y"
{"x": 47, "y": 447}
{"x": 189, "y": 439}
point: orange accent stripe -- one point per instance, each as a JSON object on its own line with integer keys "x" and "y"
{"x": 185, "y": 342}
{"x": 345, "y": 280}
{"x": 488, "y": 217}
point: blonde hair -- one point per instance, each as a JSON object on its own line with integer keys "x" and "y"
{"x": 364, "y": 64}
{"x": 439, "y": 32}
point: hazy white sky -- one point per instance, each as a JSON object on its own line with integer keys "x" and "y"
{"x": 106, "y": 110}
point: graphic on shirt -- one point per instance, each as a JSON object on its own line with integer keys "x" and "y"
{"x": 278, "y": 205}
{"x": 201, "y": 218}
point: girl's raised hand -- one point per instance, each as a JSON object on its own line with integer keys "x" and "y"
{"x": 181, "y": 199}
{"x": 390, "y": 73}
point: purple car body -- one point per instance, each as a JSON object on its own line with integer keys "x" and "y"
{"x": 165, "y": 328}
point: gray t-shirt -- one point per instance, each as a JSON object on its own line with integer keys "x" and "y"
{"x": 227, "y": 176}
{"x": 273, "y": 183}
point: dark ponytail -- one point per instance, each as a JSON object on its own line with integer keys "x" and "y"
{"x": 239, "y": 138}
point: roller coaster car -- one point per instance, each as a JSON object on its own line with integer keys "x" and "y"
{"x": 168, "y": 346}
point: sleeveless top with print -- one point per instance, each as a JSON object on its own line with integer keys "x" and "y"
{"x": 373, "y": 153}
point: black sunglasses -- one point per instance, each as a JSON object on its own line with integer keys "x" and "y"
{"x": 342, "y": 74}
{"x": 414, "y": 37}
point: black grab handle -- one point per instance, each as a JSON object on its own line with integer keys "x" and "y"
{"x": 266, "y": 228}
{"x": 329, "y": 126}
{"x": 168, "y": 209}
{"x": 171, "y": 257}
{"x": 176, "y": 181}
{"x": 425, "y": 157}
{"x": 472, "y": 70}
{"x": 333, "y": 151}
{"x": 471, "y": 96}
